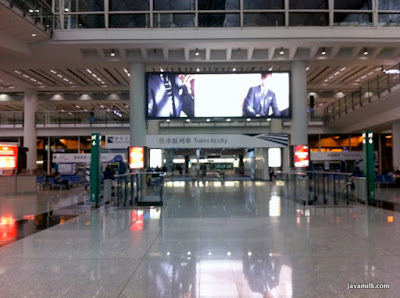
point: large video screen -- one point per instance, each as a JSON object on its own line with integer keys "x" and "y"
{"x": 248, "y": 95}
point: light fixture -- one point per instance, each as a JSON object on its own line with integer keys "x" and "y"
{"x": 365, "y": 51}
{"x": 248, "y": 119}
{"x": 234, "y": 69}
{"x": 281, "y": 52}
{"x": 228, "y": 120}
{"x": 197, "y": 53}
{"x": 161, "y": 69}
{"x": 31, "y": 10}
{"x": 187, "y": 120}
{"x": 323, "y": 52}
{"x": 168, "y": 120}
{"x": 34, "y": 34}
{"x": 112, "y": 53}
{"x": 208, "y": 120}
{"x": 198, "y": 69}
{"x": 66, "y": 9}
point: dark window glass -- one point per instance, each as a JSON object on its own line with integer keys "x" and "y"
{"x": 308, "y": 19}
{"x": 219, "y": 20}
{"x": 123, "y": 5}
{"x": 314, "y": 4}
{"x": 389, "y": 5}
{"x": 218, "y": 4}
{"x": 173, "y": 20}
{"x": 353, "y": 19}
{"x": 83, "y": 21}
{"x": 352, "y": 4}
{"x": 389, "y": 19}
{"x": 173, "y": 5}
{"x": 88, "y": 5}
{"x": 263, "y": 4}
{"x": 129, "y": 21}
{"x": 263, "y": 19}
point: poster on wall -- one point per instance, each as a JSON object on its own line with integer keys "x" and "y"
{"x": 248, "y": 95}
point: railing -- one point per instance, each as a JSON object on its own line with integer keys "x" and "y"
{"x": 139, "y": 189}
{"x": 232, "y": 13}
{"x": 369, "y": 92}
{"x": 11, "y": 119}
{"x": 318, "y": 188}
{"x": 38, "y": 10}
{"x": 76, "y": 119}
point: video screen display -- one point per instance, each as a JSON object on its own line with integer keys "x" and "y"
{"x": 247, "y": 95}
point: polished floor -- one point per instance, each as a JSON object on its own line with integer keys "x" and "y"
{"x": 212, "y": 239}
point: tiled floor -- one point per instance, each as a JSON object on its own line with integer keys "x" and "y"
{"x": 232, "y": 239}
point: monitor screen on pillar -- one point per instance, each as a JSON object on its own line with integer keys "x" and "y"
{"x": 233, "y": 95}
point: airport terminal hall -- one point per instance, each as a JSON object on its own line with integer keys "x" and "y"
{"x": 198, "y": 148}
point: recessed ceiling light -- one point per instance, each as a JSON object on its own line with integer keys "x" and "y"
{"x": 112, "y": 53}
{"x": 365, "y": 51}
{"x": 234, "y": 69}
{"x": 187, "y": 120}
{"x": 197, "y": 53}
{"x": 198, "y": 69}
{"x": 161, "y": 69}
{"x": 34, "y": 34}
{"x": 30, "y": 10}
{"x": 323, "y": 52}
{"x": 208, "y": 120}
{"x": 248, "y": 119}
{"x": 66, "y": 9}
{"x": 281, "y": 52}
{"x": 228, "y": 119}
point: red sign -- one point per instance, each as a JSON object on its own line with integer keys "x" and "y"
{"x": 301, "y": 156}
{"x": 136, "y": 157}
{"x": 8, "y": 157}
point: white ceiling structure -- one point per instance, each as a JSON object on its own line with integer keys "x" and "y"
{"x": 73, "y": 63}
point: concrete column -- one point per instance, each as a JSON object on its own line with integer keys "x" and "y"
{"x": 137, "y": 129}
{"x": 276, "y": 126}
{"x": 30, "y": 138}
{"x": 153, "y": 127}
{"x": 396, "y": 145}
{"x": 299, "y": 125}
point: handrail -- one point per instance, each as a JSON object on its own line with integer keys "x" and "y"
{"x": 370, "y": 91}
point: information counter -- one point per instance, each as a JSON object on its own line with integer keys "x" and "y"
{"x": 17, "y": 184}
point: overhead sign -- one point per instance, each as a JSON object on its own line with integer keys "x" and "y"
{"x": 204, "y": 141}
{"x": 345, "y": 155}
{"x": 8, "y": 157}
{"x": 85, "y": 157}
{"x": 301, "y": 157}
{"x": 136, "y": 157}
{"x": 117, "y": 141}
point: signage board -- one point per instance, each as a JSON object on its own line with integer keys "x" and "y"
{"x": 136, "y": 157}
{"x": 301, "y": 156}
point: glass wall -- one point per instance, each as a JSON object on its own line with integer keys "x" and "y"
{"x": 77, "y": 14}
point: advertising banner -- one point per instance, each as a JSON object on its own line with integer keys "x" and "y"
{"x": 301, "y": 157}
{"x": 136, "y": 157}
{"x": 8, "y": 157}
{"x": 249, "y": 95}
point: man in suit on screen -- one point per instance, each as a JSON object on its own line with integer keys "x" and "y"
{"x": 260, "y": 99}
{"x": 170, "y": 96}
